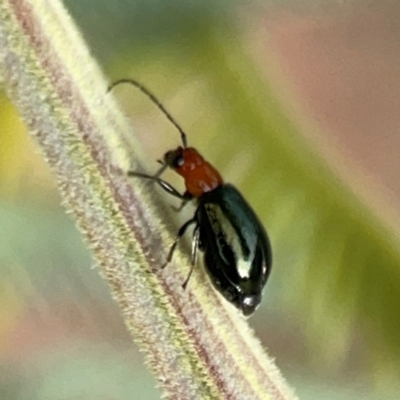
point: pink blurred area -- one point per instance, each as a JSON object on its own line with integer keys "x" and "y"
{"x": 341, "y": 64}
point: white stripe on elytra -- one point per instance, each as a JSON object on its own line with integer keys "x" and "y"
{"x": 218, "y": 219}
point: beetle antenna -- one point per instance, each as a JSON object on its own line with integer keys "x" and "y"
{"x": 154, "y": 99}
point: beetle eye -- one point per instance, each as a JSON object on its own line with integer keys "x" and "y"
{"x": 179, "y": 161}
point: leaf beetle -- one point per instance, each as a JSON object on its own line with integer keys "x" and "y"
{"x": 236, "y": 247}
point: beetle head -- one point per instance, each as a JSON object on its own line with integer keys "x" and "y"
{"x": 174, "y": 158}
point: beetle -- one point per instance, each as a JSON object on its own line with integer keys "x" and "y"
{"x": 236, "y": 247}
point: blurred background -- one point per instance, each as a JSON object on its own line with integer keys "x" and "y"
{"x": 295, "y": 103}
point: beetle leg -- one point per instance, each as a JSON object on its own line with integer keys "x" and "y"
{"x": 181, "y": 232}
{"x": 186, "y": 200}
{"x": 162, "y": 169}
{"x": 165, "y": 185}
{"x": 195, "y": 246}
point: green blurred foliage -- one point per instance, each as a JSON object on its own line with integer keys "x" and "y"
{"x": 331, "y": 309}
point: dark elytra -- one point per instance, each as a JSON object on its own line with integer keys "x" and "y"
{"x": 220, "y": 259}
